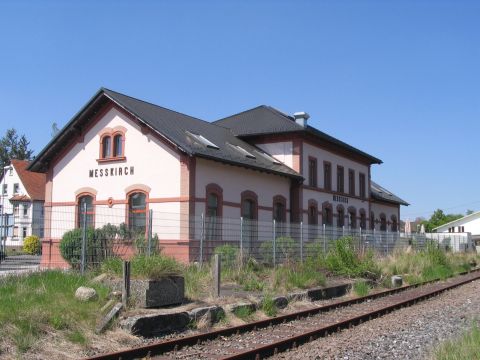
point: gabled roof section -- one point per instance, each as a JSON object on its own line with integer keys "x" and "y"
{"x": 175, "y": 127}
{"x": 33, "y": 182}
{"x": 266, "y": 120}
{"x": 462, "y": 220}
{"x": 378, "y": 192}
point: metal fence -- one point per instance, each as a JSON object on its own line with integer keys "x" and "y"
{"x": 81, "y": 238}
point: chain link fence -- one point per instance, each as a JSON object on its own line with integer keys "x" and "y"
{"x": 81, "y": 238}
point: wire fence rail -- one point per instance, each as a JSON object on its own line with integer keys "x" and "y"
{"x": 80, "y": 238}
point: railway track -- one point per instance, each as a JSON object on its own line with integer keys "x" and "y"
{"x": 267, "y": 337}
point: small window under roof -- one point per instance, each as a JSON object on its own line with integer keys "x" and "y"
{"x": 242, "y": 151}
{"x": 268, "y": 157}
{"x": 203, "y": 140}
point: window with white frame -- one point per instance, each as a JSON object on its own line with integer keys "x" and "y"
{"x": 16, "y": 188}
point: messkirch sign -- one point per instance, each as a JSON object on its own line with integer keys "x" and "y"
{"x": 113, "y": 171}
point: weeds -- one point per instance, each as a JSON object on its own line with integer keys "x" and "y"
{"x": 244, "y": 312}
{"x": 268, "y": 306}
{"x": 465, "y": 348}
{"x": 31, "y": 305}
{"x": 361, "y": 288}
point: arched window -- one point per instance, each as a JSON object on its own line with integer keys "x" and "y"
{"x": 249, "y": 214}
{"x": 118, "y": 145}
{"x": 280, "y": 214}
{"x": 372, "y": 221}
{"x": 363, "y": 220}
{"x": 85, "y": 211}
{"x": 340, "y": 217}
{"x": 352, "y": 217}
{"x": 383, "y": 222}
{"x": 312, "y": 219}
{"x": 106, "y": 147}
{"x": 211, "y": 220}
{"x": 327, "y": 214}
{"x": 137, "y": 212}
{"x": 394, "y": 225}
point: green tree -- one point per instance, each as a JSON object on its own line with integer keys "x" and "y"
{"x": 469, "y": 212}
{"x": 439, "y": 218}
{"x": 13, "y": 146}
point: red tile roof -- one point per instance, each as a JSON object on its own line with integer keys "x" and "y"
{"x": 20, "y": 198}
{"x": 33, "y": 182}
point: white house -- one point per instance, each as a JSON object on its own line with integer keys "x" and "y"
{"x": 124, "y": 156}
{"x": 467, "y": 224}
{"x": 21, "y": 203}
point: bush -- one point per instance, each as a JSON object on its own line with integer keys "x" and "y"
{"x": 228, "y": 255}
{"x": 361, "y": 288}
{"x": 97, "y": 249}
{"x": 31, "y": 245}
{"x": 285, "y": 247}
{"x": 342, "y": 259}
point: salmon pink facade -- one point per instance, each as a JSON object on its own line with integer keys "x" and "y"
{"x": 120, "y": 158}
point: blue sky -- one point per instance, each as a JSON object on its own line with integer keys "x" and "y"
{"x": 397, "y": 79}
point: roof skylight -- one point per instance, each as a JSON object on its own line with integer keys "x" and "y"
{"x": 268, "y": 157}
{"x": 242, "y": 151}
{"x": 203, "y": 140}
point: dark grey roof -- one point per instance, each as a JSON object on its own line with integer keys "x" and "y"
{"x": 264, "y": 120}
{"x": 380, "y": 193}
{"x": 174, "y": 126}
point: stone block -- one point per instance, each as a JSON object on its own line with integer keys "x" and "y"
{"x": 397, "y": 281}
{"x": 235, "y": 307}
{"x": 328, "y": 293}
{"x": 156, "y": 324}
{"x": 84, "y": 293}
{"x": 281, "y": 302}
{"x": 169, "y": 290}
{"x": 211, "y": 314}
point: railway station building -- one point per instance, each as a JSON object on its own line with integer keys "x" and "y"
{"x": 131, "y": 156}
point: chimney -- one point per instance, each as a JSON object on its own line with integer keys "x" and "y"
{"x": 301, "y": 118}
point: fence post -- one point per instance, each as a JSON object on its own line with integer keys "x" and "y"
{"x": 126, "y": 284}
{"x": 324, "y": 241}
{"x": 301, "y": 241}
{"x": 241, "y": 239}
{"x": 343, "y": 231}
{"x": 150, "y": 217}
{"x": 216, "y": 275}
{"x": 202, "y": 235}
{"x": 84, "y": 238}
{"x": 274, "y": 244}
{"x": 386, "y": 231}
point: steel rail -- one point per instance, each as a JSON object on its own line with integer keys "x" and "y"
{"x": 294, "y": 341}
{"x": 270, "y": 349}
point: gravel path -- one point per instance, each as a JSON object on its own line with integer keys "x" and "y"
{"x": 409, "y": 333}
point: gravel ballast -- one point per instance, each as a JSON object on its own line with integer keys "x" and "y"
{"x": 409, "y": 333}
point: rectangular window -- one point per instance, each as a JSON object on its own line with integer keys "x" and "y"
{"x": 15, "y": 209}
{"x": 361, "y": 181}
{"x": 340, "y": 179}
{"x": 25, "y": 210}
{"x": 5, "y": 189}
{"x": 16, "y": 188}
{"x": 327, "y": 176}
{"x": 312, "y": 172}
{"x": 24, "y": 232}
{"x": 351, "y": 182}
{"x": 15, "y": 231}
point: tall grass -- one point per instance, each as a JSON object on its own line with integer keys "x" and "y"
{"x": 32, "y": 305}
{"x": 428, "y": 264}
{"x": 466, "y": 347}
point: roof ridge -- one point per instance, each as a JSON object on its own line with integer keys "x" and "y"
{"x": 280, "y": 112}
{"x": 156, "y": 105}
{"x": 241, "y": 112}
